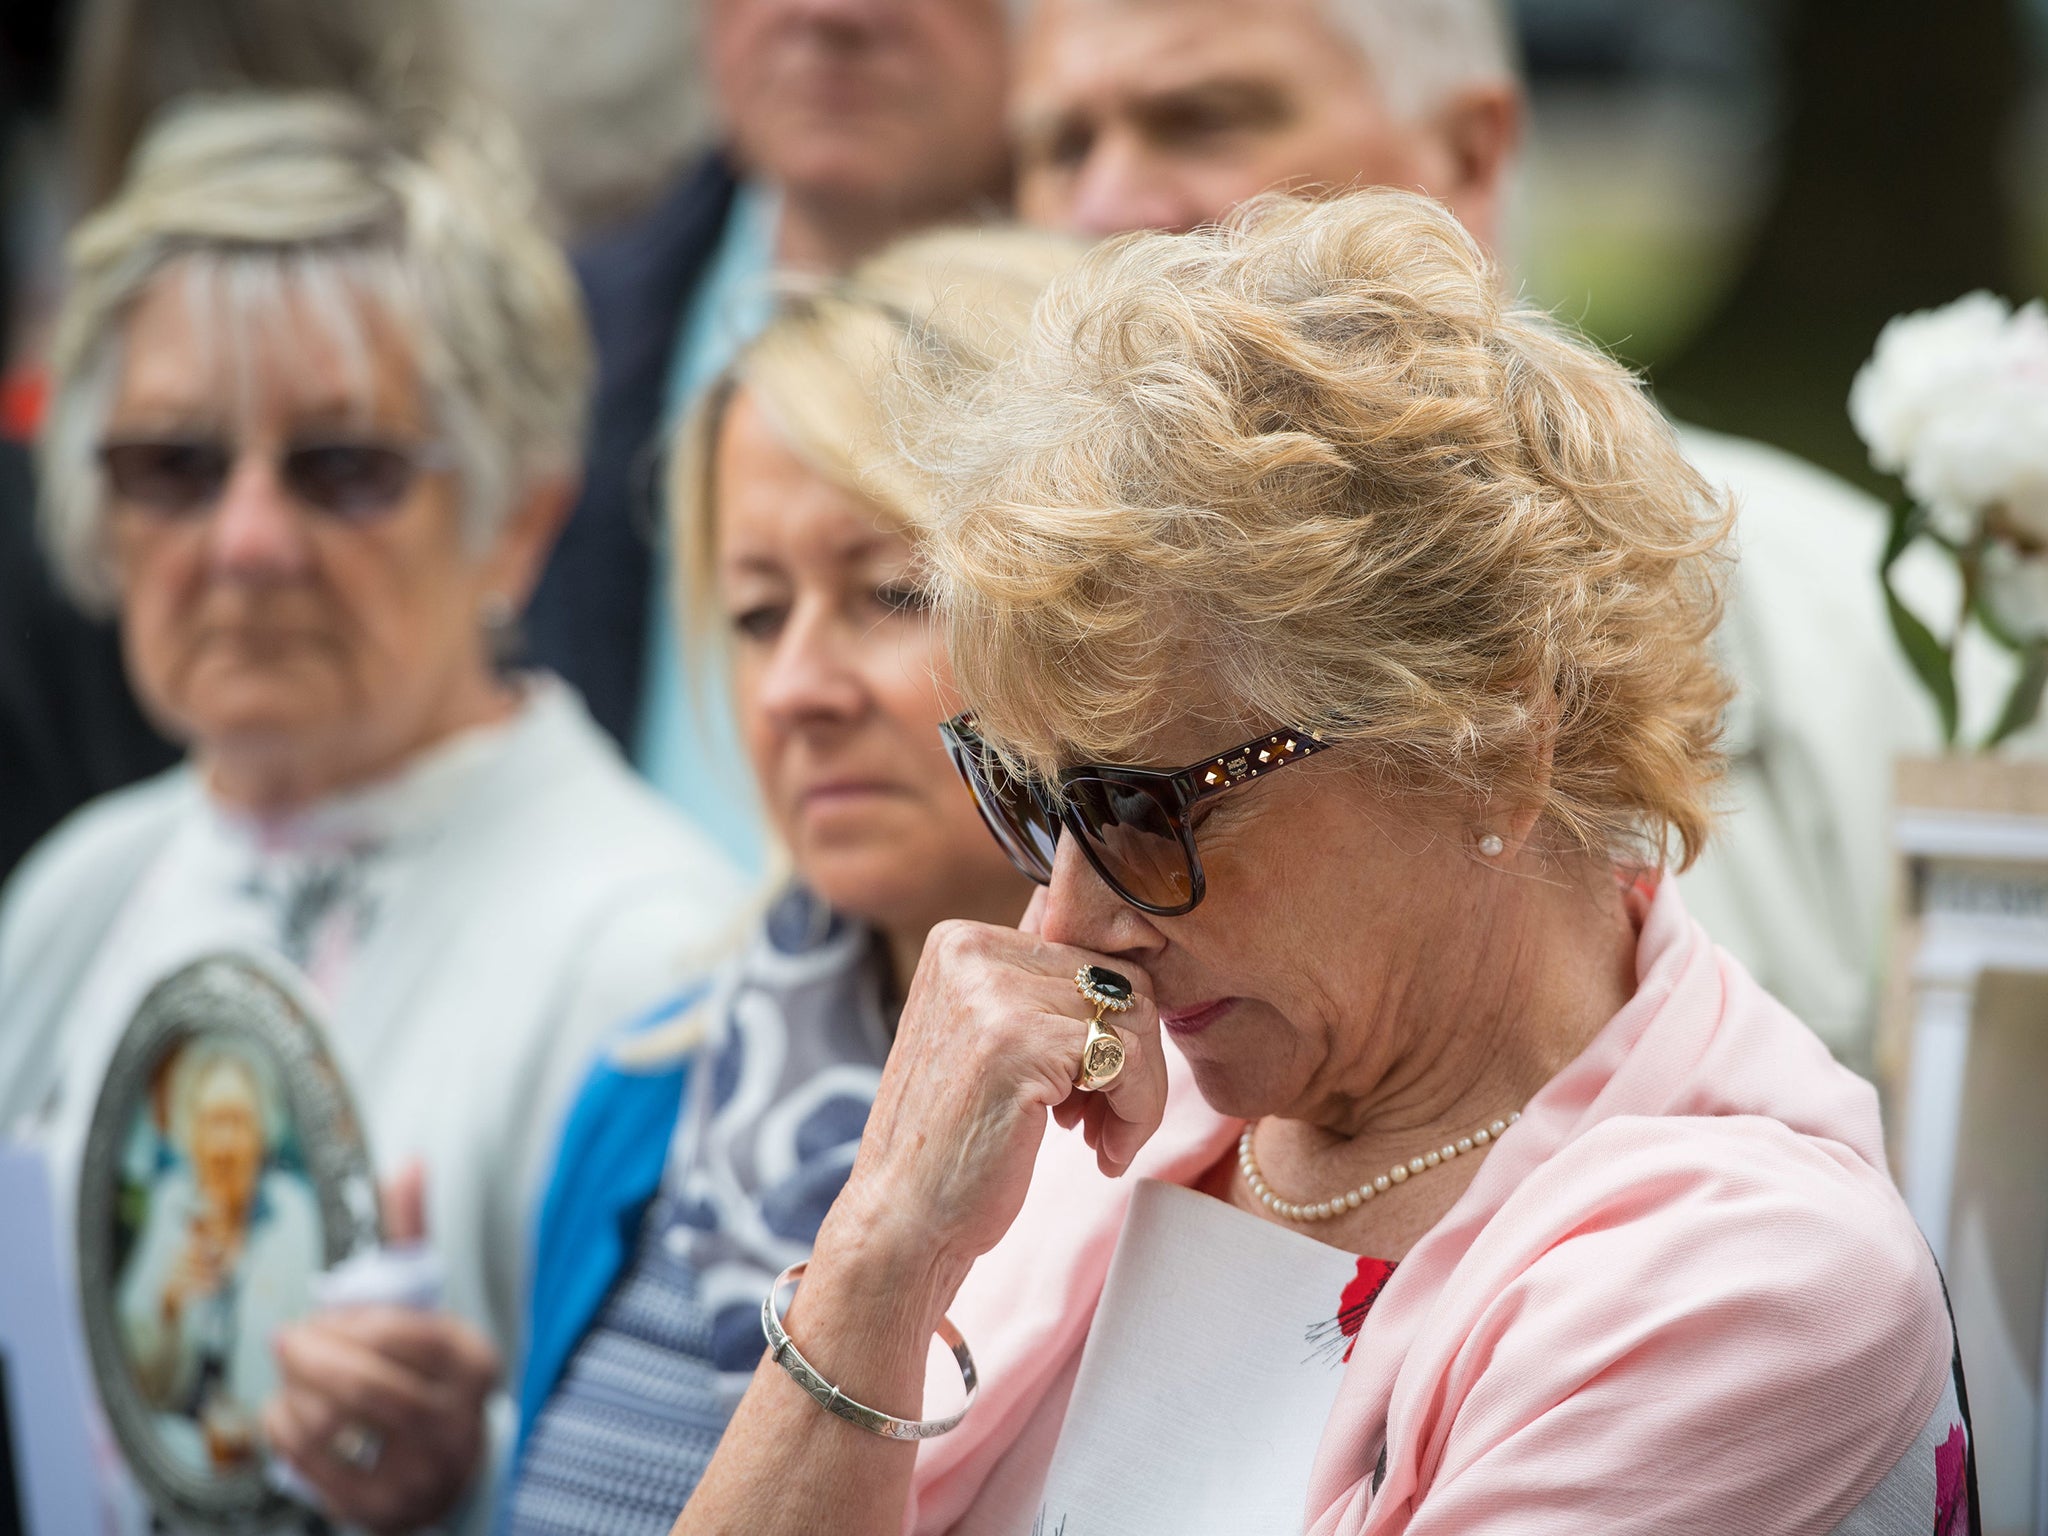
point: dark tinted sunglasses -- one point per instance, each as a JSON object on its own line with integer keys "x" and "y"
{"x": 1133, "y": 823}
{"x": 341, "y": 477}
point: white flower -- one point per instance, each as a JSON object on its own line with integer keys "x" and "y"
{"x": 2015, "y": 589}
{"x": 1921, "y": 361}
{"x": 1955, "y": 401}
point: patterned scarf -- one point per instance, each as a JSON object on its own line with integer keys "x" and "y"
{"x": 774, "y": 1112}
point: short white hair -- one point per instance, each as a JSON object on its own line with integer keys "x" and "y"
{"x": 1423, "y": 51}
{"x": 260, "y": 203}
{"x": 1419, "y": 51}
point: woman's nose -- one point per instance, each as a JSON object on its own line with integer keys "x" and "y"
{"x": 1080, "y": 909}
{"x": 812, "y": 675}
{"x": 256, "y": 532}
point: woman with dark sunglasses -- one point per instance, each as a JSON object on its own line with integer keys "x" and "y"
{"x": 317, "y": 414}
{"x": 1335, "y": 632}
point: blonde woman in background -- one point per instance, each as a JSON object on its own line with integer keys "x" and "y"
{"x": 318, "y": 411}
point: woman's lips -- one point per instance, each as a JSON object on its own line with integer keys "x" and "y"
{"x": 1192, "y": 1021}
{"x": 821, "y": 795}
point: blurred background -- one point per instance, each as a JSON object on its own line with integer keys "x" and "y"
{"x": 1734, "y": 194}
{"x": 1737, "y": 193}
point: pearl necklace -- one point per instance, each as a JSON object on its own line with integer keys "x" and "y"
{"x": 1351, "y": 1200}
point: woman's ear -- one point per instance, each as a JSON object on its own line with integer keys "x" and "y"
{"x": 516, "y": 561}
{"x": 1504, "y": 827}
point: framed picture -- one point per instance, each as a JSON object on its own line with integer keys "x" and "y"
{"x": 224, "y": 1169}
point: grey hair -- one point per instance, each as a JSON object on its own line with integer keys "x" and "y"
{"x": 1422, "y": 51}
{"x": 257, "y": 201}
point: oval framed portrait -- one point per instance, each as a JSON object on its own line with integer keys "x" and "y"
{"x": 224, "y": 1169}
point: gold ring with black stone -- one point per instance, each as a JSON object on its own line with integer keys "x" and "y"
{"x": 1103, "y": 1053}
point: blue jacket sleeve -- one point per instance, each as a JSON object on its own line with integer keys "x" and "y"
{"x": 614, "y": 1145}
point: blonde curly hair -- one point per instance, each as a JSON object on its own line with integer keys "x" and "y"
{"x": 1313, "y": 470}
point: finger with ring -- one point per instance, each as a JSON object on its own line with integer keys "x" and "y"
{"x": 1103, "y": 1053}
{"x": 358, "y": 1446}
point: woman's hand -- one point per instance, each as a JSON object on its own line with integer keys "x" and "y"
{"x": 417, "y": 1381}
{"x": 989, "y": 1041}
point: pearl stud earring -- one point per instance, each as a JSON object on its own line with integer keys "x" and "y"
{"x": 1490, "y": 846}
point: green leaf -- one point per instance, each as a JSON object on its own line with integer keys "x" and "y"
{"x": 1909, "y": 521}
{"x": 2023, "y": 704}
{"x": 1929, "y": 659}
{"x": 1989, "y": 622}
{"x": 1932, "y": 662}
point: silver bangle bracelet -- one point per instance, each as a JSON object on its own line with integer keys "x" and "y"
{"x": 833, "y": 1400}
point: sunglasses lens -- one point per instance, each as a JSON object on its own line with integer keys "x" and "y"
{"x": 1134, "y": 840}
{"x": 349, "y": 480}
{"x": 1028, "y": 832}
{"x": 169, "y": 477}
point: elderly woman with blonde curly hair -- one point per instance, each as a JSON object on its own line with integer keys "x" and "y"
{"x": 1335, "y": 636}
{"x": 318, "y": 405}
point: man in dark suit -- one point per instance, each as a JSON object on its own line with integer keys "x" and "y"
{"x": 846, "y": 124}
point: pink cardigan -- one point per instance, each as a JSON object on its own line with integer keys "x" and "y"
{"x": 1682, "y": 1295}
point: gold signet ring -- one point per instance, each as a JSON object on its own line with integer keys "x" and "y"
{"x": 1102, "y": 1054}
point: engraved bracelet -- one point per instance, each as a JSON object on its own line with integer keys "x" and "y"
{"x": 835, "y": 1401}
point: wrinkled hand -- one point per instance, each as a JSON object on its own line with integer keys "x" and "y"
{"x": 417, "y": 1380}
{"x": 989, "y": 1041}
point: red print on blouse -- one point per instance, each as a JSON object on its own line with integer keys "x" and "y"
{"x": 1359, "y": 1294}
{"x": 1951, "y": 1485}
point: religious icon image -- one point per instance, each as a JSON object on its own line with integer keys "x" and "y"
{"x": 225, "y": 1169}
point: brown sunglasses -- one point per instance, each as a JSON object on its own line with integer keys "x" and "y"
{"x": 1133, "y": 823}
{"x": 347, "y": 479}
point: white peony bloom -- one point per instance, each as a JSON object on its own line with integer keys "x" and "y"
{"x": 1921, "y": 359}
{"x": 2015, "y": 589}
{"x": 1955, "y": 401}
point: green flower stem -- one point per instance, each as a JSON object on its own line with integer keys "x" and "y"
{"x": 1932, "y": 661}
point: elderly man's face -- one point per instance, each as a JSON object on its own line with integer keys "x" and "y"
{"x": 1167, "y": 114}
{"x": 896, "y": 104}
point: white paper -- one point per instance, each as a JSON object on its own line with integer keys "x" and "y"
{"x": 1208, "y": 1377}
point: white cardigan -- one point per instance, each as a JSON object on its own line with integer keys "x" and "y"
{"x": 544, "y": 897}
